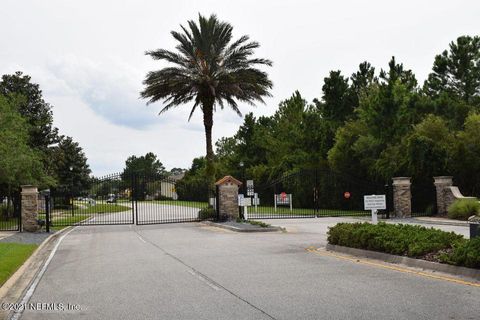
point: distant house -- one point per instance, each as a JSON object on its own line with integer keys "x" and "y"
{"x": 168, "y": 186}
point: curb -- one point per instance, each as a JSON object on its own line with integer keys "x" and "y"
{"x": 15, "y": 287}
{"x": 232, "y": 228}
{"x": 443, "y": 223}
{"x": 410, "y": 262}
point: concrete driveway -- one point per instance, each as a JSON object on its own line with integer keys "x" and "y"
{"x": 191, "y": 271}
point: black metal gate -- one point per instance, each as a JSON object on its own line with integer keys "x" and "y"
{"x": 11, "y": 212}
{"x": 424, "y": 198}
{"x": 313, "y": 193}
{"x": 120, "y": 199}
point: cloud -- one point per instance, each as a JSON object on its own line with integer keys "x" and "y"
{"x": 109, "y": 87}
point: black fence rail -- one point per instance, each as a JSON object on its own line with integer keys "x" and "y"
{"x": 10, "y": 213}
{"x": 128, "y": 199}
{"x": 159, "y": 200}
{"x": 314, "y": 193}
{"x": 424, "y": 198}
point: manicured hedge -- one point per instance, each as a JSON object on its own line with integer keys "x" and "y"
{"x": 408, "y": 240}
{"x": 465, "y": 253}
{"x": 399, "y": 239}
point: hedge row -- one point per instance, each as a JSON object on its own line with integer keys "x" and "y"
{"x": 408, "y": 240}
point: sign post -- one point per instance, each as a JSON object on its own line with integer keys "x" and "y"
{"x": 374, "y": 203}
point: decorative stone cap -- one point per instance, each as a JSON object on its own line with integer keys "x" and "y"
{"x": 29, "y": 189}
{"x": 474, "y": 220}
{"x": 401, "y": 181}
{"x": 443, "y": 180}
{"x": 227, "y": 180}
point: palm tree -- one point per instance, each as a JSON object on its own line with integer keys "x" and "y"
{"x": 209, "y": 70}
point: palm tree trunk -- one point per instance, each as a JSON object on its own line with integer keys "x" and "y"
{"x": 208, "y": 123}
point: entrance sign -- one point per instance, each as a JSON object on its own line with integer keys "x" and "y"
{"x": 375, "y": 203}
{"x": 282, "y": 199}
{"x": 250, "y": 190}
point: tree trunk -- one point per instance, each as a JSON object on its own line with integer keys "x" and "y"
{"x": 208, "y": 123}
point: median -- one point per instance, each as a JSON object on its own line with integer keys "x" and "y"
{"x": 411, "y": 241}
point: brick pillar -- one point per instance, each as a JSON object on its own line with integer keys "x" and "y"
{"x": 228, "y": 198}
{"x": 444, "y": 195}
{"x": 29, "y": 208}
{"x": 402, "y": 197}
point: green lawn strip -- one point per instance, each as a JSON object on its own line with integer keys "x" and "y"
{"x": 306, "y": 211}
{"x": 12, "y": 256}
{"x": 180, "y": 203}
{"x": 101, "y": 208}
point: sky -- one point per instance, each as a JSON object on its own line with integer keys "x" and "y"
{"x": 88, "y": 57}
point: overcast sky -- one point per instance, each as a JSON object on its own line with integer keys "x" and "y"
{"x": 88, "y": 57}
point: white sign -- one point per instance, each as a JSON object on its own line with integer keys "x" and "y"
{"x": 247, "y": 202}
{"x": 240, "y": 200}
{"x": 375, "y": 202}
{"x": 256, "y": 199}
{"x": 250, "y": 190}
{"x": 283, "y": 199}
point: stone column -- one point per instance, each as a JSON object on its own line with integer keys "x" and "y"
{"x": 30, "y": 208}
{"x": 402, "y": 197}
{"x": 228, "y": 198}
{"x": 444, "y": 195}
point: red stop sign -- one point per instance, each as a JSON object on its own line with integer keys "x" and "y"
{"x": 346, "y": 195}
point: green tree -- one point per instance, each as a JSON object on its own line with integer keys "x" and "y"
{"x": 457, "y": 70}
{"x": 147, "y": 166}
{"x": 209, "y": 70}
{"x": 19, "y": 163}
{"x": 467, "y": 155}
{"x": 71, "y": 167}
{"x": 33, "y": 108}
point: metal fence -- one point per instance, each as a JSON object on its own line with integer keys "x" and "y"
{"x": 313, "y": 193}
{"x": 11, "y": 213}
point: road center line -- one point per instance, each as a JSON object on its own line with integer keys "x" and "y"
{"x": 141, "y": 239}
{"x": 384, "y": 266}
{"x": 205, "y": 277}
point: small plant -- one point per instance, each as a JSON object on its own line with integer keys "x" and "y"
{"x": 462, "y": 209}
{"x": 206, "y": 213}
{"x": 253, "y": 222}
{"x": 464, "y": 253}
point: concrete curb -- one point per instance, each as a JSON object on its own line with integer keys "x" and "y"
{"x": 15, "y": 287}
{"x": 410, "y": 262}
{"x": 232, "y": 228}
{"x": 443, "y": 223}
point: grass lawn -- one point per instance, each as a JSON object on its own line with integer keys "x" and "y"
{"x": 65, "y": 221}
{"x": 181, "y": 203}
{"x": 12, "y": 256}
{"x": 270, "y": 211}
{"x": 102, "y": 208}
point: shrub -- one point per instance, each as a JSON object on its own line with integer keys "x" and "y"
{"x": 409, "y": 240}
{"x": 206, "y": 213}
{"x": 466, "y": 253}
{"x": 463, "y": 208}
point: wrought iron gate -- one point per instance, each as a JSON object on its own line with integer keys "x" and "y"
{"x": 120, "y": 199}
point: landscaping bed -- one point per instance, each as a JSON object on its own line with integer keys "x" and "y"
{"x": 408, "y": 240}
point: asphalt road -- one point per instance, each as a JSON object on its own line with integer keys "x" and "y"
{"x": 191, "y": 271}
